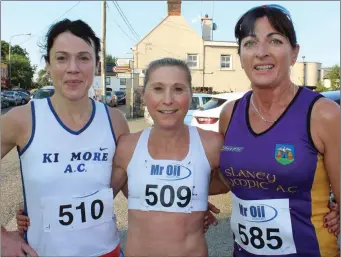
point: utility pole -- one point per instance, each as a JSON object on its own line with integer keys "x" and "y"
{"x": 9, "y": 56}
{"x": 103, "y": 64}
{"x": 304, "y": 71}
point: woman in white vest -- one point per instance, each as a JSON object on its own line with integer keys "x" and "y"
{"x": 66, "y": 144}
{"x": 168, "y": 169}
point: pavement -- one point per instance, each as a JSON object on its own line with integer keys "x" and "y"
{"x": 219, "y": 238}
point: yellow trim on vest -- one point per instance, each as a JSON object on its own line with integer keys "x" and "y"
{"x": 319, "y": 203}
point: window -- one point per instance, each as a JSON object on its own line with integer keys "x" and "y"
{"x": 205, "y": 100}
{"x": 123, "y": 82}
{"x": 195, "y": 103}
{"x": 213, "y": 103}
{"x": 107, "y": 81}
{"x": 192, "y": 61}
{"x": 225, "y": 62}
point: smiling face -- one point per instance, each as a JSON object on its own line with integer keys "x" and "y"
{"x": 267, "y": 55}
{"x": 72, "y": 66}
{"x": 167, "y": 96}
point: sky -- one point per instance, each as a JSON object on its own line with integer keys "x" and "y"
{"x": 317, "y": 23}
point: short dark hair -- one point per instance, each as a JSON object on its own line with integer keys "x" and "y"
{"x": 166, "y": 62}
{"x": 78, "y": 28}
{"x": 278, "y": 17}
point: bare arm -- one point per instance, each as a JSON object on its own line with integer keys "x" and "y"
{"x": 14, "y": 131}
{"x": 121, "y": 128}
{"x": 10, "y": 130}
{"x": 218, "y": 184}
{"x": 325, "y": 130}
{"x": 213, "y": 142}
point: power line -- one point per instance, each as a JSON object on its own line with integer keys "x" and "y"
{"x": 35, "y": 34}
{"x": 125, "y": 19}
{"x": 118, "y": 25}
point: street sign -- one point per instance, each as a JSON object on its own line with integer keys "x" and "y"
{"x": 124, "y": 75}
{"x": 124, "y": 62}
{"x": 121, "y": 69}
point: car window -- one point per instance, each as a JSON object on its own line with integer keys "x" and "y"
{"x": 119, "y": 93}
{"x": 205, "y": 99}
{"x": 43, "y": 93}
{"x": 8, "y": 93}
{"x": 195, "y": 104}
{"x": 213, "y": 103}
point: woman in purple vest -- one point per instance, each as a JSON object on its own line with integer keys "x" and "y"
{"x": 281, "y": 148}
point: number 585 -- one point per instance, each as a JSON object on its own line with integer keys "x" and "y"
{"x": 257, "y": 236}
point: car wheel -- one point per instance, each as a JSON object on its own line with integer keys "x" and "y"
{"x": 23, "y": 101}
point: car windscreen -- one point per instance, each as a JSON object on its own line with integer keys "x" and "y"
{"x": 9, "y": 93}
{"x": 119, "y": 93}
{"x": 43, "y": 93}
{"x": 332, "y": 95}
{"x": 213, "y": 103}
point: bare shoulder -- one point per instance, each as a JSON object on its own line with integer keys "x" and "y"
{"x": 325, "y": 110}
{"x": 125, "y": 148}
{"x": 225, "y": 116}
{"x": 119, "y": 122}
{"x": 212, "y": 142}
{"x": 16, "y": 126}
{"x": 325, "y": 123}
{"x": 17, "y": 118}
{"x": 210, "y": 138}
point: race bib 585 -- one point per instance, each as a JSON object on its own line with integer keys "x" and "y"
{"x": 263, "y": 227}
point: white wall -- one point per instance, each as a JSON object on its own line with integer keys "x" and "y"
{"x": 114, "y": 83}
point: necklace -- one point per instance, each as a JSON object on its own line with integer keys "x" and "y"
{"x": 260, "y": 115}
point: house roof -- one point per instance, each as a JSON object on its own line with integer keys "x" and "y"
{"x": 220, "y": 43}
{"x": 208, "y": 43}
{"x": 150, "y": 32}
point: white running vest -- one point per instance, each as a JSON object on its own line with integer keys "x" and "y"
{"x": 169, "y": 185}
{"x": 66, "y": 182}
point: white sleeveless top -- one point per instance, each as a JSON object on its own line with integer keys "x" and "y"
{"x": 66, "y": 182}
{"x": 169, "y": 185}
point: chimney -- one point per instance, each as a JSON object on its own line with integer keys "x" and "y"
{"x": 174, "y": 7}
{"x": 206, "y": 24}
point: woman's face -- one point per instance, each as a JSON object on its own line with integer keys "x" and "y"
{"x": 72, "y": 66}
{"x": 167, "y": 96}
{"x": 267, "y": 56}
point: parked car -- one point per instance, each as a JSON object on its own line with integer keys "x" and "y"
{"x": 25, "y": 97}
{"x": 13, "y": 97}
{"x": 121, "y": 97}
{"x": 4, "y": 101}
{"x": 111, "y": 99}
{"x": 333, "y": 95}
{"x": 207, "y": 117}
{"x": 198, "y": 99}
{"x": 44, "y": 92}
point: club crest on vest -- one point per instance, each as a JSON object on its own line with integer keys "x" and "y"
{"x": 285, "y": 154}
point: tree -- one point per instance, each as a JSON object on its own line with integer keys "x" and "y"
{"x": 21, "y": 69}
{"x": 320, "y": 87}
{"x": 43, "y": 78}
{"x": 109, "y": 59}
{"x": 334, "y": 77}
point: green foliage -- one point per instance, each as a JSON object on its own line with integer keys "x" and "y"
{"x": 21, "y": 69}
{"x": 334, "y": 77}
{"x": 320, "y": 87}
{"x": 43, "y": 78}
{"x": 109, "y": 59}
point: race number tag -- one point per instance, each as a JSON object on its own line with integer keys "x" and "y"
{"x": 78, "y": 212}
{"x": 168, "y": 188}
{"x": 263, "y": 227}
